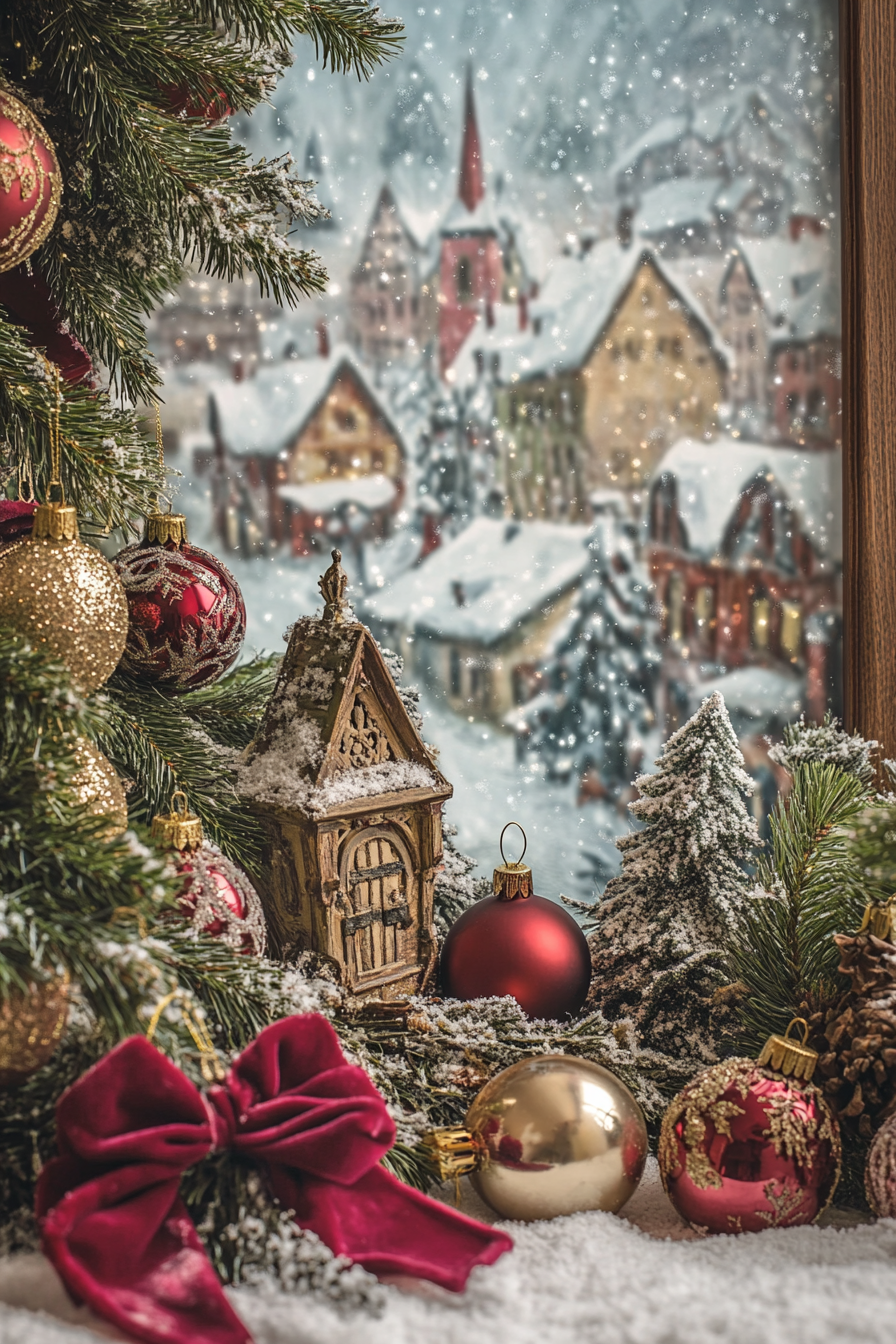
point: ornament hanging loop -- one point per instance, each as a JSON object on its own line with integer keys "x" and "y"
{"x": 512, "y": 881}
{"x": 517, "y": 862}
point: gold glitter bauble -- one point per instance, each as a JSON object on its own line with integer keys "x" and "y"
{"x": 30, "y": 1027}
{"x": 556, "y": 1135}
{"x": 58, "y": 592}
{"x": 98, "y": 788}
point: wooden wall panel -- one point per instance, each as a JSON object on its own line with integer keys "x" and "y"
{"x": 868, "y": 89}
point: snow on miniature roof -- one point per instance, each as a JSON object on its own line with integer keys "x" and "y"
{"x": 712, "y": 476}
{"x": 371, "y": 492}
{"x": 580, "y": 302}
{"x": 678, "y": 202}
{"x": 484, "y": 582}
{"x": 265, "y": 413}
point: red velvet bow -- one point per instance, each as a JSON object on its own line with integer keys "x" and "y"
{"x": 114, "y": 1224}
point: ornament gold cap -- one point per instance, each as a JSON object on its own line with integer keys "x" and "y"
{"x": 454, "y": 1152}
{"x": 878, "y": 920}
{"x": 178, "y": 829}
{"x": 55, "y": 522}
{"x": 789, "y": 1056}
{"x": 164, "y": 527}
{"x": 512, "y": 881}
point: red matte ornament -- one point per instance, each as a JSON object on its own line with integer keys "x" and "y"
{"x": 517, "y": 943}
{"x": 187, "y": 620}
{"x": 214, "y": 108}
{"x": 744, "y": 1147}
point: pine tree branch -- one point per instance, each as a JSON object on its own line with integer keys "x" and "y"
{"x": 809, "y": 890}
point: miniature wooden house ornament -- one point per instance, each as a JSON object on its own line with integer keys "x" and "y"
{"x": 351, "y": 803}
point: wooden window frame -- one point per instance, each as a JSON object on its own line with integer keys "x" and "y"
{"x": 868, "y": 175}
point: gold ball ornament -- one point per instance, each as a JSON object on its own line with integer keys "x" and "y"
{"x": 30, "y": 1027}
{"x": 98, "y": 788}
{"x": 30, "y": 182}
{"x": 551, "y": 1135}
{"x": 58, "y": 592}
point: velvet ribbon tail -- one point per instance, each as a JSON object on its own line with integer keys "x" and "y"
{"x": 117, "y": 1231}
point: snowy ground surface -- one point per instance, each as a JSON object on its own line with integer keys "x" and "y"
{"x": 641, "y": 1278}
{"x": 490, "y": 786}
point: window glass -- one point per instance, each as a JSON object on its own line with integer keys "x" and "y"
{"x": 570, "y": 405}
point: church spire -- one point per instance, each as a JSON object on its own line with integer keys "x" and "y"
{"x": 471, "y": 184}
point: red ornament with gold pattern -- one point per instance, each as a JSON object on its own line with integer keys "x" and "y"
{"x": 30, "y": 182}
{"x": 187, "y": 620}
{"x": 751, "y": 1144}
{"x": 517, "y": 943}
{"x": 217, "y": 896}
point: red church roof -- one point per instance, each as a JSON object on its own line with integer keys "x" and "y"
{"x": 471, "y": 186}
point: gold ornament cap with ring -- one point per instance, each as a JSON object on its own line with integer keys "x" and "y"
{"x": 60, "y": 593}
{"x": 512, "y": 881}
{"x": 878, "y": 920}
{"x": 550, "y": 1135}
{"x": 178, "y": 829}
{"x": 785, "y": 1055}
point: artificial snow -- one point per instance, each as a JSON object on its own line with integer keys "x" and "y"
{"x": 592, "y": 1278}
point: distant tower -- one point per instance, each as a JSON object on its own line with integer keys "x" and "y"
{"x": 315, "y": 171}
{"x": 470, "y": 272}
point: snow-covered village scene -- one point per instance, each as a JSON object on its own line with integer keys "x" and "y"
{"x": 569, "y": 405}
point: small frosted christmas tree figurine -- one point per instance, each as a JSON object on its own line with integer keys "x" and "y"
{"x": 661, "y": 925}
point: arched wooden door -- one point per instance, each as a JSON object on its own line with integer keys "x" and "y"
{"x": 378, "y": 901}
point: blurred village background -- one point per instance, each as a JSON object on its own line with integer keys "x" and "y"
{"x": 570, "y": 405}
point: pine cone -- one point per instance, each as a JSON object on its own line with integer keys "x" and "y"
{"x": 855, "y": 1035}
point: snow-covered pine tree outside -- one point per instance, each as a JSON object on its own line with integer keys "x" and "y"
{"x": 663, "y": 922}
{"x": 598, "y": 703}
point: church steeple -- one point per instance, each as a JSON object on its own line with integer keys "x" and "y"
{"x": 471, "y": 183}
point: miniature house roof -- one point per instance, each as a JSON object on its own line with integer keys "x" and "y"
{"x": 336, "y": 736}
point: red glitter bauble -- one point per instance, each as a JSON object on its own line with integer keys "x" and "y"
{"x": 16, "y": 519}
{"x": 743, "y": 1148}
{"x": 220, "y": 900}
{"x": 30, "y": 182}
{"x": 187, "y": 620}
{"x": 527, "y": 947}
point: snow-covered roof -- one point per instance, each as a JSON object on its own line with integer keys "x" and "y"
{"x": 712, "y": 476}
{"x": 371, "y": 492}
{"x": 756, "y": 692}
{"x": 461, "y": 220}
{"x": 501, "y": 571}
{"x": 677, "y": 202}
{"x": 579, "y": 301}
{"x": 666, "y": 131}
{"x": 786, "y": 269}
{"x": 264, "y": 413}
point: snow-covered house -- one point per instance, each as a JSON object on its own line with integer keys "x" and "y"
{"x": 730, "y": 165}
{"x": 614, "y": 358}
{"x": 391, "y": 318}
{"x": 350, "y": 800}
{"x": 744, "y": 550}
{"x": 307, "y": 453}
{"x": 474, "y": 619}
